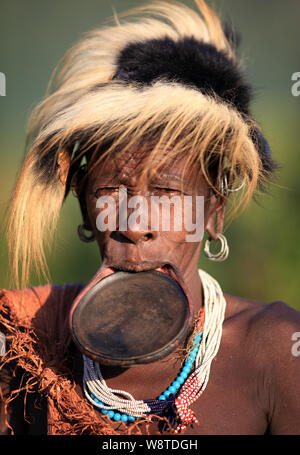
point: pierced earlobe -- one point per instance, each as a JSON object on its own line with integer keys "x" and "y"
{"x": 82, "y": 234}
{"x": 224, "y": 188}
{"x": 222, "y": 254}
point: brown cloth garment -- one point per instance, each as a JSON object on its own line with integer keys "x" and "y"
{"x": 35, "y": 322}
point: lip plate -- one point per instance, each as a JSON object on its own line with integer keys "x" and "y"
{"x": 80, "y": 333}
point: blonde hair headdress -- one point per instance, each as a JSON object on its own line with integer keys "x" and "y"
{"x": 170, "y": 79}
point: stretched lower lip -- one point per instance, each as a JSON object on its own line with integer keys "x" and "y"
{"x": 105, "y": 272}
{"x": 167, "y": 269}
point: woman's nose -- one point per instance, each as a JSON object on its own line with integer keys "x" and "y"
{"x": 137, "y": 236}
{"x": 135, "y": 224}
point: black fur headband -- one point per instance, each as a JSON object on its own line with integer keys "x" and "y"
{"x": 195, "y": 64}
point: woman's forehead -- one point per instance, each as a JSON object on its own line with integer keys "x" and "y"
{"x": 128, "y": 166}
{"x": 134, "y": 161}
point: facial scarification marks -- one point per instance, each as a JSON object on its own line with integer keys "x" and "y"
{"x": 130, "y": 163}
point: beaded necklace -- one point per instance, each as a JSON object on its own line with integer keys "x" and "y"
{"x": 97, "y": 392}
{"x": 175, "y": 401}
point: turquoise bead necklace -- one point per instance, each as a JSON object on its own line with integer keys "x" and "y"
{"x": 167, "y": 398}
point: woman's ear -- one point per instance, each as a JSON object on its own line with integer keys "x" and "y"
{"x": 84, "y": 212}
{"x": 215, "y": 221}
{"x": 80, "y": 191}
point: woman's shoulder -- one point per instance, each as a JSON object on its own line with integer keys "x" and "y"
{"x": 258, "y": 311}
{"x": 35, "y": 343}
{"x": 37, "y": 305}
{"x": 273, "y": 326}
{"x": 265, "y": 340}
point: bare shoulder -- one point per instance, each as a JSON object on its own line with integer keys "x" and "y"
{"x": 274, "y": 326}
{"x": 265, "y": 340}
{"x": 276, "y": 315}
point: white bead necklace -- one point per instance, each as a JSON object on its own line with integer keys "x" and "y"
{"x": 214, "y": 311}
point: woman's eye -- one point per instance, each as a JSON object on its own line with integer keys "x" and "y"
{"x": 105, "y": 190}
{"x": 167, "y": 190}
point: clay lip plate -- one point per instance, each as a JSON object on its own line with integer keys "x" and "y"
{"x": 127, "y": 318}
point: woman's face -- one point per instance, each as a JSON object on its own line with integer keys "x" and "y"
{"x": 144, "y": 247}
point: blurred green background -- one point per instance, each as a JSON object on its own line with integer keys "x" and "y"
{"x": 264, "y": 241}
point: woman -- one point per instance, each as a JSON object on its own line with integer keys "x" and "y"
{"x": 157, "y": 107}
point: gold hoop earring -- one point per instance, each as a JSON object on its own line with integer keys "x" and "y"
{"x": 222, "y": 254}
{"x": 82, "y": 235}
